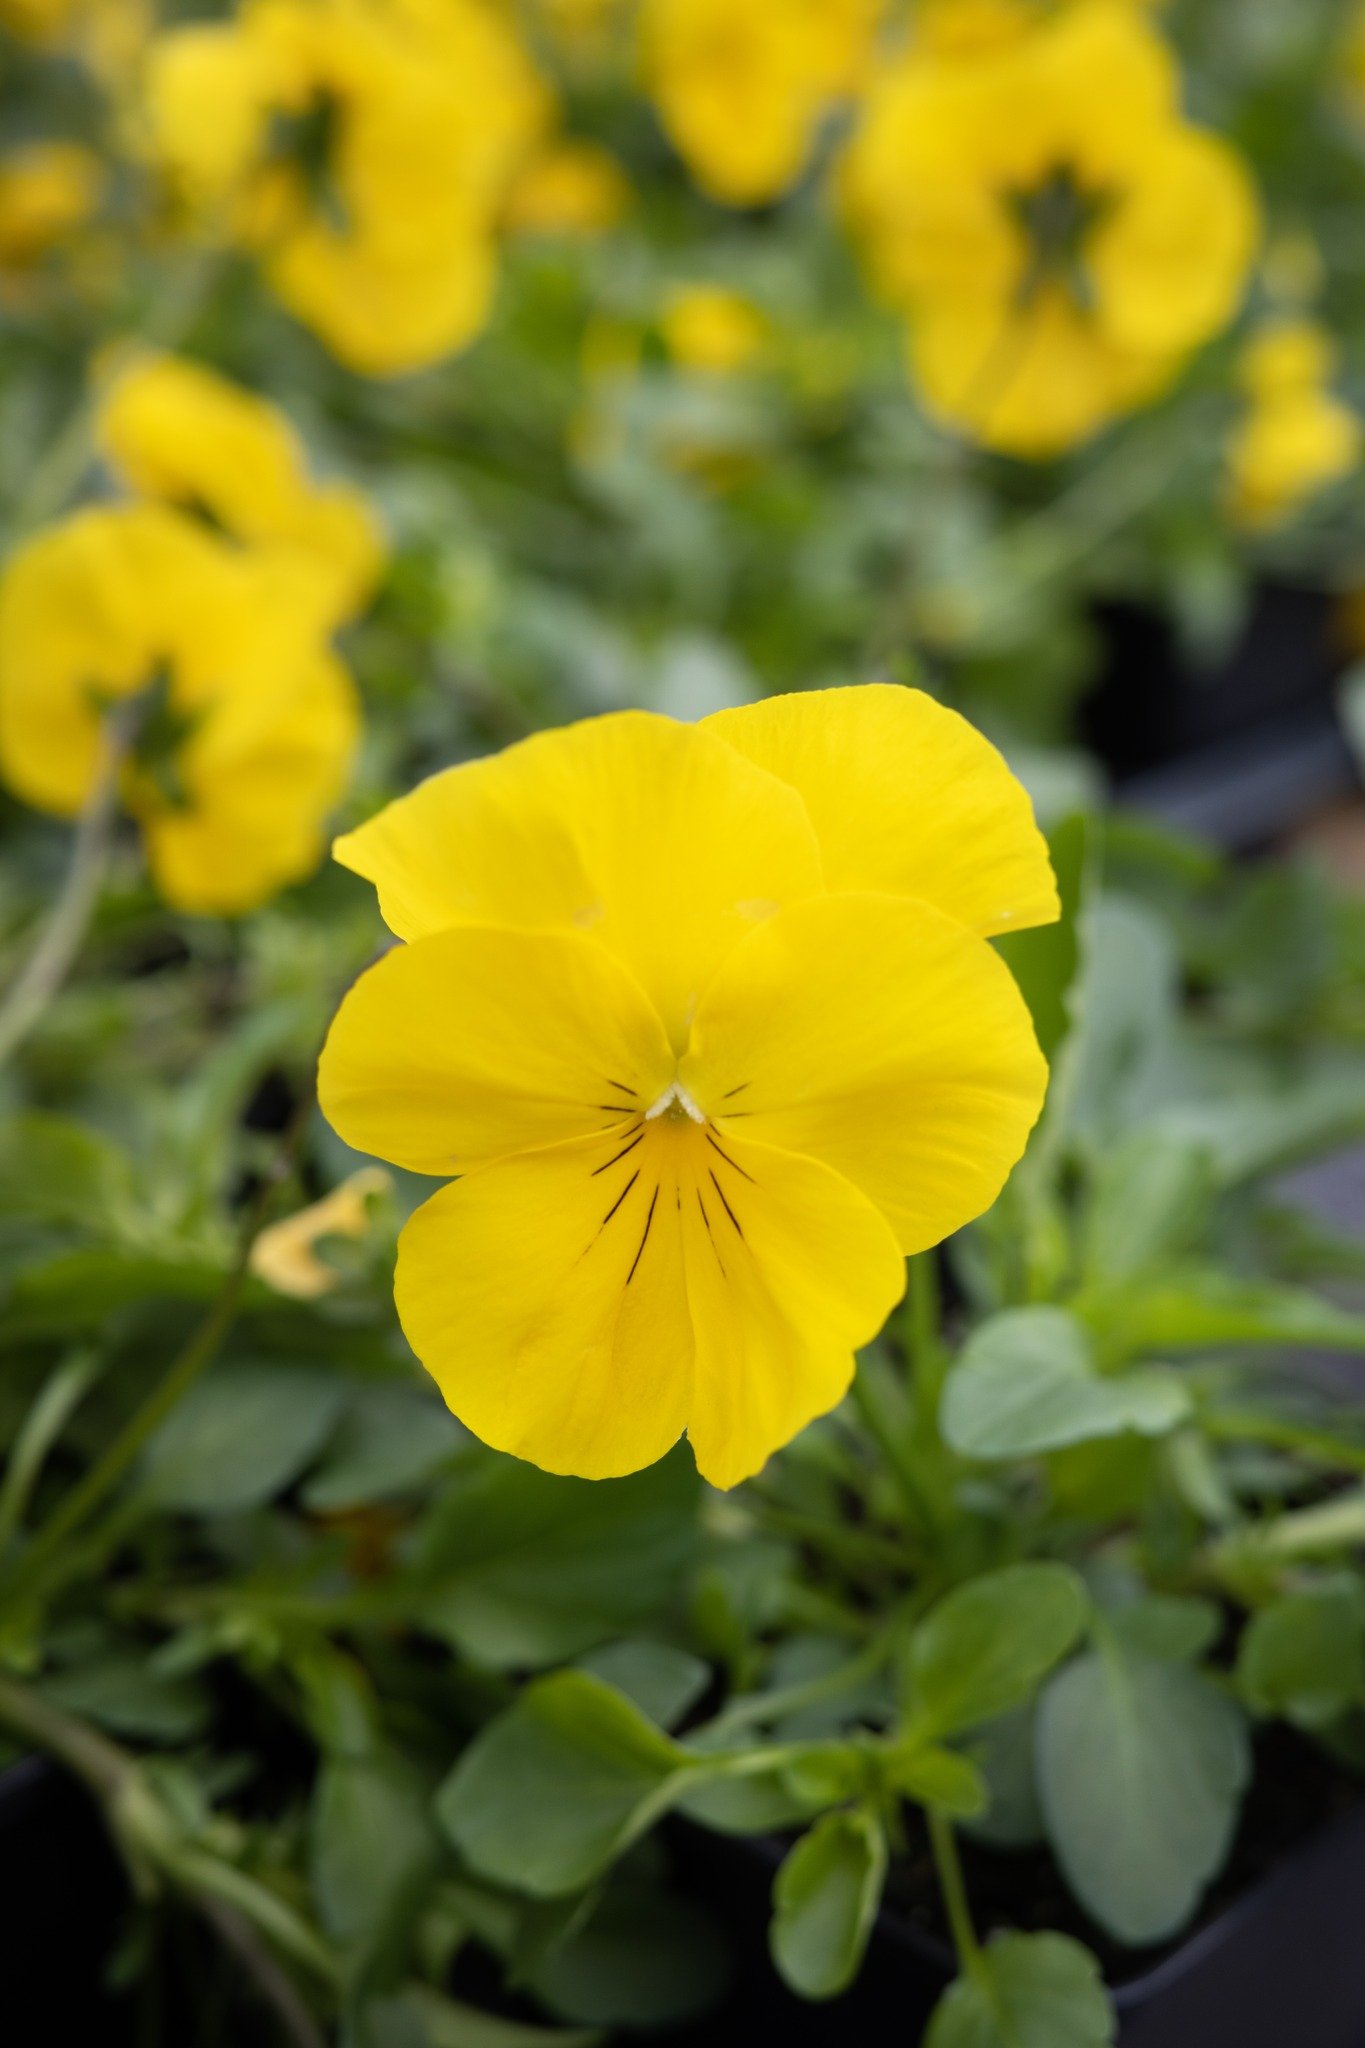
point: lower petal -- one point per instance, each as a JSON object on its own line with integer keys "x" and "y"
{"x": 545, "y": 1296}
{"x": 789, "y": 1270}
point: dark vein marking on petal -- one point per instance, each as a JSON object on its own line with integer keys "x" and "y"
{"x": 736, "y": 1091}
{"x": 728, "y": 1210}
{"x": 653, "y": 1202}
{"x": 617, "y": 1203}
{"x": 711, "y": 1234}
{"x": 623, "y": 1088}
{"x": 729, "y": 1161}
{"x": 619, "y": 1156}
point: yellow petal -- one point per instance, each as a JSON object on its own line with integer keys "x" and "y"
{"x": 286, "y": 1255}
{"x": 789, "y": 1270}
{"x": 656, "y": 837}
{"x": 260, "y": 781}
{"x": 875, "y": 1034}
{"x": 907, "y": 797}
{"x": 545, "y": 1295}
{"x": 1170, "y": 262}
{"x": 472, "y": 1044}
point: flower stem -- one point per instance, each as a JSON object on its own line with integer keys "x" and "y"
{"x": 65, "y": 926}
{"x": 236, "y": 1906}
{"x": 953, "y": 1889}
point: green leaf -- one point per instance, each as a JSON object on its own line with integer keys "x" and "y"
{"x": 371, "y": 1842}
{"x": 1126, "y": 1007}
{"x": 527, "y": 1569}
{"x": 1025, "y": 1382}
{"x": 56, "y": 1172}
{"x": 129, "y": 1696}
{"x": 642, "y": 1958}
{"x": 1171, "y": 1627}
{"x": 1002, "y": 1752}
{"x": 1029, "y": 1991}
{"x": 1141, "y": 1767}
{"x": 1304, "y": 1655}
{"x": 825, "y": 1899}
{"x": 388, "y": 1441}
{"x": 1201, "y": 1308}
{"x": 1043, "y": 961}
{"x": 238, "y": 1438}
{"x": 662, "y": 1681}
{"x": 1152, "y": 1194}
{"x": 554, "y": 1789}
{"x": 984, "y": 1647}
{"x": 420, "y": 2017}
{"x": 939, "y": 1777}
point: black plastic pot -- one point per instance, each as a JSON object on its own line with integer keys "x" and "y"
{"x": 1282, "y": 1968}
{"x": 1236, "y": 751}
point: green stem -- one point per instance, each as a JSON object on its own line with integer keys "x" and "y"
{"x": 65, "y": 926}
{"x": 920, "y": 1323}
{"x": 886, "y": 1437}
{"x": 953, "y": 1889}
{"x": 41, "y": 1427}
{"x": 1235, "y": 1425}
{"x": 235, "y": 1904}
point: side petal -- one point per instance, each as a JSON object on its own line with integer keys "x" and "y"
{"x": 657, "y": 838}
{"x": 875, "y": 1034}
{"x": 469, "y": 1045}
{"x": 1170, "y": 263}
{"x": 546, "y": 1298}
{"x": 789, "y": 1270}
{"x": 905, "y": 796}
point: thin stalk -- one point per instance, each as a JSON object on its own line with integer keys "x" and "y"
{"x": 238, "y": 1908}
{"x": 1234, "y": 1425}
{"x": 953, "y": 1890}
{"x": 64, "y": 927}
{"x": 887, "y": 1438}
{"x": 46, "y": 1419}
{"x": 920, "y": 1322}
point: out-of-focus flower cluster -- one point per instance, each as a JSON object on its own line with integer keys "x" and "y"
{"x": 1014, "y": 199}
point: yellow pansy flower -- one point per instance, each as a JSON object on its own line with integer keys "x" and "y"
{"x": 47, "y": 190}
{"x": 569, "y": 188}
{"x": 743, "y": 90}
{"x": 364, "y": 148}
{"x": 706, "y": 1020}
{"x": 1296, "y": 436}
{"x": 1059, "y": 236}
{"x": 177, "y": 431}
{"x": 239, "y": 721}
{"x": 707, "y": 328}
{"x": 286, "y": 1256}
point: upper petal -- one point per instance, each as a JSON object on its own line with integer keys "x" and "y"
{"x": 662, "y": 841}
{"x": 545, "y": 1296}
{"x": 789, "y": 1270}
{"x": 875, "y": 1034}
{"x": 472, "y": 1044}
{"x": 905, "y": 796}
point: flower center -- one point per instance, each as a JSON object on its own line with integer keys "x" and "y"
{"x": 676, "y": 1104}
{"x": 1057, "y": 218}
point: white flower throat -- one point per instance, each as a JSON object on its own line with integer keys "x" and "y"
{"x": 675, "y": 1102}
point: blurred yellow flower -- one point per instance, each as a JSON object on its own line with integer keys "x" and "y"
{"x": 286, "y": 1254}
{"x": 1059, "y": 236}
{"x": 365, "y": 148}
{"x": 569, "y": 188}
{"x": 239, "y": 722}
{"x": 706, "y": 1020}
{"x": 742, "y": 90}
{"x": 710, "y": 329}
{"x": 1296, "y": 437}
{"x": 47, "y": 191}
{"x": 174, "y": 430}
